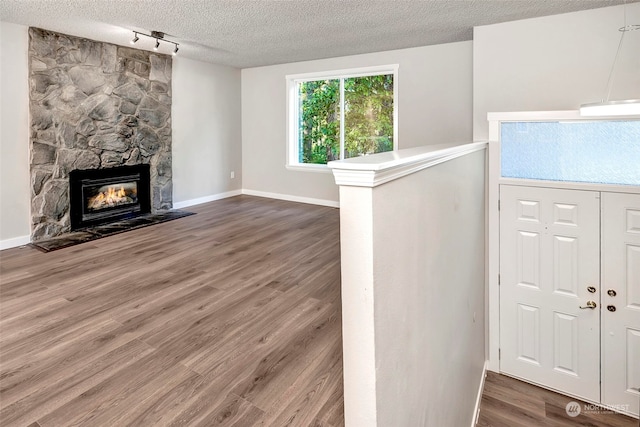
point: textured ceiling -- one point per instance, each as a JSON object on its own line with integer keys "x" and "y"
{"x": 248, "y": 33}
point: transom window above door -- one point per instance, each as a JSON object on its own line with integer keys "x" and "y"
{"x": 598, "y": 151}
{"x": 340, "y": 114}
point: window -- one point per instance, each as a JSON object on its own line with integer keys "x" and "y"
{"x": 605, "y": 152}
{"x": 341, "y": 114}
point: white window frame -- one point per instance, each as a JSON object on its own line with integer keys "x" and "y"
{"x": 293, "y": 146}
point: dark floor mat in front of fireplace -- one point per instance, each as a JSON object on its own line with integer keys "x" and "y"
{"x": 100, "y": 231}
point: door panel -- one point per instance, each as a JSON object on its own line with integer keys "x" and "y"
{"x": 565, "y": 358}
{"x": 529, "y": 334}
{"x": 621, "y": 274}
{"x": 565, "y": 265}
{"x": 528, "y": 251}
{"x": 549, "y": 252}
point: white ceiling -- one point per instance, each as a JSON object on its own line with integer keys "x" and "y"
{"x": 249, "y": 33}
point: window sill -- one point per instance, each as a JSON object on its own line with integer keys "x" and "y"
{"x": 309, "y": 168}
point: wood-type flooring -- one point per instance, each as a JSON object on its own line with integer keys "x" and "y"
{"x": 508, "y": 402}
{"x": 228, "y": 317}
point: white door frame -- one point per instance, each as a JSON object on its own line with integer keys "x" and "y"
{"x": 493, "y": 217}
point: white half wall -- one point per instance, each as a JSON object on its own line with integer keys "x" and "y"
{"x": 15, "y": 192}
{"x": 413, "y": 291}
{"x": 429, "y": 294}
{"x": 553, "y": 63}
{"x": 206, "y": 131}
{"x": 434, "y": 107}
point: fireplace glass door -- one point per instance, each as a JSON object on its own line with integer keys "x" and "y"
{"x": 112, "y": 195}
{"x": 105, "y": 195}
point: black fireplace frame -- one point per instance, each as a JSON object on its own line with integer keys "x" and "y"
{"x": 80, "y": 179}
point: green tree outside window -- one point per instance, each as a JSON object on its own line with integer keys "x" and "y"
{"x": 368, "y": 117}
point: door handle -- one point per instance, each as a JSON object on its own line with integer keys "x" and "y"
{"x": 590, "y": 304}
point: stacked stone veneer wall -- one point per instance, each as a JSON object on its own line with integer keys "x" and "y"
{"x": 94, "y": 105}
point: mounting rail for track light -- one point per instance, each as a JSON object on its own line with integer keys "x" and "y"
{"x": 158, "y": 36}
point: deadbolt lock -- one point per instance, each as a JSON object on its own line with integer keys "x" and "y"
{"x": 612, "y": 293}
{"x": 590, "y": 304}
{"x": 592, "y": 289}
{"x": 611, "y": 308}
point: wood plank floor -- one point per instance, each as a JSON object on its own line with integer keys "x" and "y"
{"x": 507, "y": 402}
{"x": 228, "y": 317}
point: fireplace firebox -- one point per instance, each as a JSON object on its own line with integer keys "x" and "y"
{"x": 99, "y": 196}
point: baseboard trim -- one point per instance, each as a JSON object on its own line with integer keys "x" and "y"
{"x": 289, "y": 198}
{"x": 476, "y": 412}
{"x": 14, "y": 242}
{"x": 206, "y": 199}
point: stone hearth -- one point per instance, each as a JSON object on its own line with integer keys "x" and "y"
{"x": 94, "y": 105}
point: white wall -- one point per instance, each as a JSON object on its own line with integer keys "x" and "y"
{"x": 434, "y": 106}
{"x": 553, "y": 63}
{"x": 206, "y": 131}
{"x": 429, "y": 293}
{"x": 15, "y": 192}
{"x": 413, "y": 253}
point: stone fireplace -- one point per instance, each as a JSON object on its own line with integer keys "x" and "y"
{"x": 93, "y": 106}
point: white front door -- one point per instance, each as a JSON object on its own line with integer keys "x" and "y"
{"x": 621, "y": 301}
{"x": 549, "y": 268}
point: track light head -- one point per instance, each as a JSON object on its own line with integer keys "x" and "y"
{"x": 157, "y": 45}
{"x": 135, "y": 38}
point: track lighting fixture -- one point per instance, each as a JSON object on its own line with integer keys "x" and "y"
{"x": 158, "y": 36}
